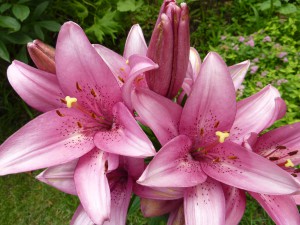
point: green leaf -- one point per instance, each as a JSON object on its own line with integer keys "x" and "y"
{"x": 288, "y": 9}
{"x": 134, "y": 205}
{"x": 4, "y": 54}
{"x": 4, "y": 7}
{"x": 21, "y": 12}
{"x": 18, "y": 38}
{"x": 38, "y": 31}
{"x": 22, "y": 55}
{"x": 50, "y": 25}
{"x": 40, "y": 9}
{"x": 9, "y": 22}
{"x": 128, "y": 5}
{"x": 266, "y": 5}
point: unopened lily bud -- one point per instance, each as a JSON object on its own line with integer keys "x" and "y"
{"x": 42, "y": 55}
{"x": 169, "y": 48}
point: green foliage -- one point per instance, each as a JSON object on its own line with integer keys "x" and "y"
{"x": 16, "y": 22}
{"x": 274, "y": 60}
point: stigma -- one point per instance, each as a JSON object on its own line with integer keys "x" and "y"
{"x": 289, "y": 163}
{"x": 222, "y": 136}
{"x": 70, "y": 101}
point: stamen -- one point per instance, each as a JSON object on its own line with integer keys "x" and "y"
{"x": 274, "y": 158}
{"x": 293, "y": 153}
{"x": 216, "y": 160}
{"x": 222, "y": 136}
{"x": 289, "y": 163}
{"x": 78, "y": 87}
{"x": 79, "y": 124}
{"x": 94, "y": 115}
{"x": 121, "y": 79}
{"x": 70, "y": 101}
{"x": 201, "y": 132}
{"x": 59, "y": 113}
{"x": 233, "y": 157}
{"x": 294, "y": 175}
{"x": 93, "y": 93}
{"x": 122, "y": 69}
{"x": 217, "y": 124}
{"x": 127, "y": 61}
{"x": 280, "y": 147}
{"x": 63, "y": 101}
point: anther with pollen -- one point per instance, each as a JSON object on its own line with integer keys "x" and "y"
{"x": 78, "y": 87}
{"x": 273, "y": 158}
{"x": 93, "y": 93}
{"x": 201, "y": 132}
{"x": 59, "y": 113}
{"x": 293, "y": 153}
{"x": 232, "y": 157}
{"x": 216, "y": 160}
{"x": 217, "y": 124}
{"x": 280, "y": 147}
{"x": 79, "y": 124}
{"x": 121, "y": 79}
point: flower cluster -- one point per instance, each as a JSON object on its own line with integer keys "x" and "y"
{"x": 90, "y": 140}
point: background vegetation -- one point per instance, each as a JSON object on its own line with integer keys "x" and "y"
{"x": 266, "y": 32}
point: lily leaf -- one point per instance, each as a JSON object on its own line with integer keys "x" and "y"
{"x": 9, "y": 22}
{"x": 21, "y": 12}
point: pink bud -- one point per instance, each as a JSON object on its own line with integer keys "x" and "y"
{"x": 42, "y": 55}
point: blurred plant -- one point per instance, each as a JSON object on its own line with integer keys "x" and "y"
{"x": 21, "y": 22}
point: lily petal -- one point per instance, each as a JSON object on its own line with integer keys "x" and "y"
{"x": 89, "y": 76}
{"x": 176, "y": 217}
{"x": 173, "y": 166}
{"x": 153, "y": 207}
{"x": 282, "y": 209}
{"x": 120, "y": 198}
{"x": 238, "y": 73}
{"x": 282, "y": 143}
{"x": 255, "y": 113}
{"x": 116, "y": 63}
{"x": 235, "y": 204}
{"x": 125, "y": 137}
{"x": 60, "y": 177}
{"x": 51, "y": 139}
{"x": 39, "y": 89}
{"x": 81, "y": 218}
{"x": 205, "y": 204}
{"x": 246, "y": 170}
{"x": 92, "y": 185}
{"x": 211, "y": 105}
{"x": 140, "y": 64}
{"x": 160, "y": 114}
{"x": 135, "y": 42}
{"x": 159, "y": 193}
{"x": 195, "y": 61}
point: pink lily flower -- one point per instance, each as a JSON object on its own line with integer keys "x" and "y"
{"x": 200, "y": 149}
{"x": 103, "y": 183}
{"x": 83, "y": 106}
{"x": 169, "y": 48}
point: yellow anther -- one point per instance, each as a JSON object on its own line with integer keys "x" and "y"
{"x": 127, "y": 61}
{"x": 70, "y": 101}
{"x": 222, "y": 136}
{"x": 289, "y": 163}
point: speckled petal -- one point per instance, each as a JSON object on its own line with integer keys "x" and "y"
{"x": 82, "y": 73}
{"x": 92, "y": 185}
{"x": 125, "y": 137}
{"x": 204, "y": 204}
{"x": 211, "y": 106}
{"x": 282, "y": 209}
{"x": 120, "y": 198}
{"x": 51, "y": 139}
{"x": 244, "y": 169}
{"x": 37, "y": 88}
{"x": 60, "y": 177}
{"x": 235, "y": 200}
{"x": 173, "y": 166}
{"x": 256, "y": 113}
{"x": 282, "y": 143}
